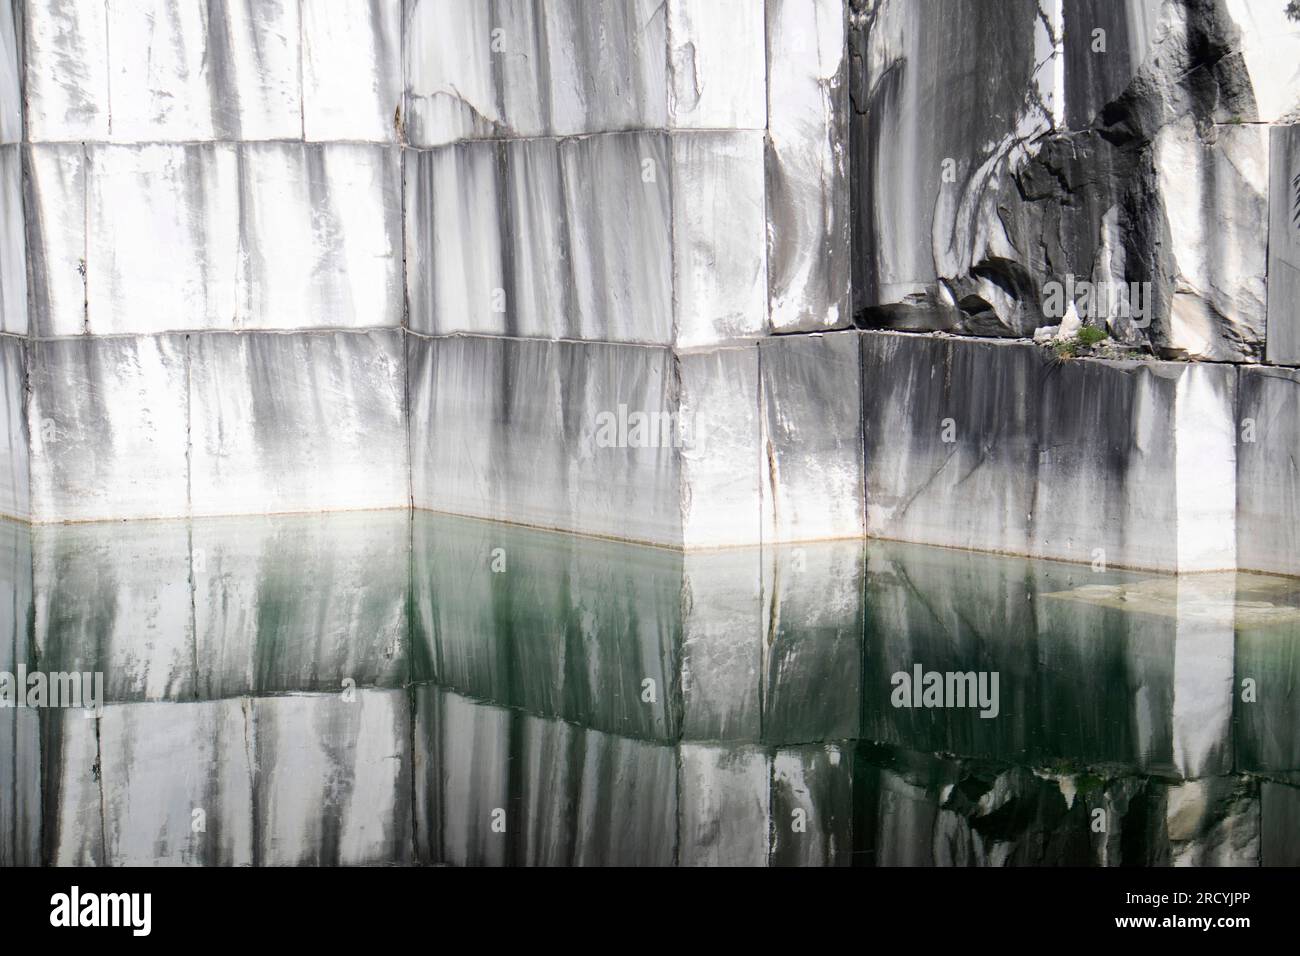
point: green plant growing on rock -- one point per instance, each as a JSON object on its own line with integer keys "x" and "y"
{"x": 1086, "y": 338}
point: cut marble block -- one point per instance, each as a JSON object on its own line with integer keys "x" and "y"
{"x": 725, "y": 805}
{"x": 812, "y": 437}
{"x": 160, "y": 70}
{"x": 506, "y": 69}
{"x": 722, "y": 454}
{"x": 618, "y": 201}
{"x": 15, "y": 456}
{"x": 300, "y": 603}
{"x": 216, "y": 423}
{"x": 199, "y": 70}
{"x": 620, "y": 237}
{"x": 56, "y": 237}
{"x": 1284, "y": 245}
{"x": 717, "y": 64}
{"x": 66, "y": 70}
{"x": 999, "y": 445}
{"x": 1268, "y": 485}
{"x": 259, "y": 235}
{"x": 310, "y": 421}
{"x": 510, "y": 429}
{"x": 627, "y": 805}
{"x": 812, "y": 806}
{"x": 108, "y": 425}
{"x": 606, "y": 68}
{"x": 115, "y": 598}
{"x": 807, "y": 165}
{"x": 13, "y": 246}
{"x": 455, "y": 278}
{"x": 320, "y": 237}
{"x": 333, "y": 779}
{"x": 11, "y": 93}
{"x": 457, "y": 58}
{"x": 352, "y": 70}
{"x": 640, "y": 443}
{"x": 549, "y": 623}
{"x": 142, "y": 200}
{"x": 719, "y": 231}
{"x": 543, "y": 753}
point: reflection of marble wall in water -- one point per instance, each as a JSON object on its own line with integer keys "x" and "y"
{"x": 768, "y": 666}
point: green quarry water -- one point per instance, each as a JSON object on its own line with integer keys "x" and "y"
{"x": 377, "y": 688}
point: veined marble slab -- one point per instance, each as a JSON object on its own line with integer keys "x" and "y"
{"x": 109, "y": 425}
{"x": 310, "y": 421}
{"x": 993, "y": 446}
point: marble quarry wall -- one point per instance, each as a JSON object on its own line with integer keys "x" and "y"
{"x": 695, "y": 273}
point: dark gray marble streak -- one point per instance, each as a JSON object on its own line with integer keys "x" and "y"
{"x": 55, "y": 196}
{"x": 1284, "y": 245}
{"x": 15, "y": 454}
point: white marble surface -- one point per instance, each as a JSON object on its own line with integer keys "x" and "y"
{"x": 108, "y": 424}
{"x": 296, "y": 422}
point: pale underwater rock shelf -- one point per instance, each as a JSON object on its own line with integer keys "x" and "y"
{"x": 315, "y": 255}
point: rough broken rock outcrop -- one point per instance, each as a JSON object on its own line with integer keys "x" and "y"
{"x": 1120, "y": 148}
